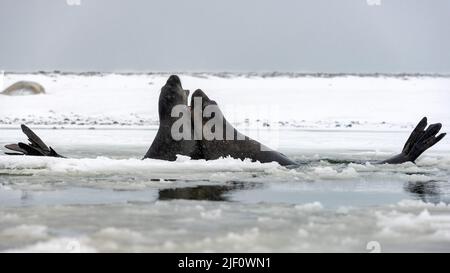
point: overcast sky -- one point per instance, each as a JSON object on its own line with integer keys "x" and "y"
{"x": 226, "y": 35}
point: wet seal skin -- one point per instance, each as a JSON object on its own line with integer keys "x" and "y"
{"x": 229, "y": 141}
{"x": 164, "y": 146}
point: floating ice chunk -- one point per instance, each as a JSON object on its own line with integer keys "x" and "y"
{"x": 395, "y": 224}
{"x": 8, "y": 217}
{"x": 315, "y": 206}
{"x": 330, "y": 173}
{"x": 182, "y": 158}
{"x": 325, "y": 172}
{"x": 30, "y": 231}
{"x": 348, "y": 172}
{"x": 57, "y": 245}
{"x": 122, "y": 234}
{"x": 211, "y": 214}
{"x": 408, "y": 203}
{"x": 246, "y": 236}
{"x": 302, "y": 233}
{"x": 344, "y": 209}
{"x": 101, "y": 165}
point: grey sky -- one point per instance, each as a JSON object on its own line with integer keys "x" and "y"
{"x": 226, "y": 35}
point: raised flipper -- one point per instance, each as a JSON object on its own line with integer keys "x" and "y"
{"x": 418, "y": 142}
{"x": 36, "y": 147}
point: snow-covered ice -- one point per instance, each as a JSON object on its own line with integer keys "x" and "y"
{"x": 77, "y": 100}
{"x": 335, "y": 200}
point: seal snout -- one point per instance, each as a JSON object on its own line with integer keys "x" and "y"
{"x": 201, "y": 94}
{"x": 173, "y": 80}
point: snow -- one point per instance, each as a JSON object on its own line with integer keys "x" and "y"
{"x": 341, "y": 102}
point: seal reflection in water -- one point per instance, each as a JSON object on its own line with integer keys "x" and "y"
{"x": 205, "y": 192}
{"x": 198, "y": 143}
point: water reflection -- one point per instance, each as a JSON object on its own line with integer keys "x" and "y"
{"x": 206, "y": 192}
{"x": 427, "y": 191}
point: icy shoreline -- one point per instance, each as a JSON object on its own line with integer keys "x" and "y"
{"x": 277, "y": 100}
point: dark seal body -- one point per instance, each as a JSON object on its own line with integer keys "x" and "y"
{"x": 229, "y": 141}
{"x": 164, "y": 146}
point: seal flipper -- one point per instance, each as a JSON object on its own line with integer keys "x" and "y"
{"x": 30, "y": 150}
{"x": 15, "y": 147}
{"x": 35, "y": 141}
{"x": 415, "y": 134}
{"x": 418, "y": 142}
{"x": 36, "y": 147}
